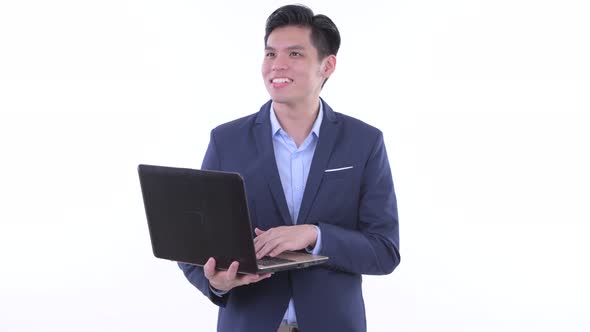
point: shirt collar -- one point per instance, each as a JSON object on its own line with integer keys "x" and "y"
{"x": 276, "y": 126}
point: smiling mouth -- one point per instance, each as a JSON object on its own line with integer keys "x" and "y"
{"x": 281, "y": 80}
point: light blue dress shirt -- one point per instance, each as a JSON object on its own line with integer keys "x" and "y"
{"x": 293, "y": 164}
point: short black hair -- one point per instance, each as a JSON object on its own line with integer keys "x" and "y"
{"x": 325, "y": 37}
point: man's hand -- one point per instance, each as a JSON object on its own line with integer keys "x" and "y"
{"x": 276, "y": 240}
{"x": 226, "y": 280}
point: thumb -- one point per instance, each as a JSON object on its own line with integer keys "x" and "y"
{"x": 257, "y": 231}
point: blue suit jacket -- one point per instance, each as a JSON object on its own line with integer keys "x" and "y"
{"x": 355, "y": 209}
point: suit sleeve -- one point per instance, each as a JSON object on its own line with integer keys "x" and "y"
{"x": 372, "y": 248}
{"x": 193, "y": 273}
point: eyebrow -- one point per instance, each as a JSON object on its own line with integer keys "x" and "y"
{"x": 294, "y": 47}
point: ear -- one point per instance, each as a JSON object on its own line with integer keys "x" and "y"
{"x": 329, "y": 65}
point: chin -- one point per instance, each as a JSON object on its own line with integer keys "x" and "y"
{"x": 281, "y": 99}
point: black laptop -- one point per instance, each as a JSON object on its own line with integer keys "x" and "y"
{"x": 196, "y": 214}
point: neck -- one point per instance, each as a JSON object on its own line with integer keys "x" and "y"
{"x": 297, "y": 120}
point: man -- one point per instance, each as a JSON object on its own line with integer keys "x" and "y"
{"x": 316, "y": 180}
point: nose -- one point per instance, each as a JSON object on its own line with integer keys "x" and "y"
{"x": 280, "y": 63}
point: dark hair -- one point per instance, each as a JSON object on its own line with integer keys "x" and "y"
{"x": 324, "y": 34}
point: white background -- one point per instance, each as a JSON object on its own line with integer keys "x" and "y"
{"x": 484, "y": 106}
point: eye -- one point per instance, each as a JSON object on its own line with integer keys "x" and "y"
{"x": 294, "y": 53}
{"x": 269, "y": 54}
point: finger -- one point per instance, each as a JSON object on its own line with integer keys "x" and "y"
{"x": 260, "y": 241}
{"x": 264, "y": 276}
{"x": 258, "y": 244}
{"x": 259, "y": 236}
{"x": 209, "y": 268}
{"x": 278, "y": 250}
{"x": 260, "y": 250}
{"x": 266, "y": 248}
{"x": 250, "y": 278}
{"x": 232, "y": 271}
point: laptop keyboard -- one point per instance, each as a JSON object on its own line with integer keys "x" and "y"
{"x": 268, "y": 261}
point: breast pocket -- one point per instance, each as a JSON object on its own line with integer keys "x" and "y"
{"x": 337, "y": 198}
{"x": 338, "y": 173}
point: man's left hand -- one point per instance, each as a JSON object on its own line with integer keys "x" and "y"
{"x": 276, "y": 240}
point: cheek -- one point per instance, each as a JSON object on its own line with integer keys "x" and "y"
{"x": 264, "y": 69}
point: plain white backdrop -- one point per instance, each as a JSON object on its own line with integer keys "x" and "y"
{"x": 484, "y": 107}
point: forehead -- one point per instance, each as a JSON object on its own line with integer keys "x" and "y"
{"x": 289, "y": 36}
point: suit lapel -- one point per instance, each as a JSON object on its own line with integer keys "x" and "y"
{"x": 328, "y": 135}
{"x": 263, "y": 137}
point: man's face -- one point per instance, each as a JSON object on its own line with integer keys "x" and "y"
{"x": 291, "y": 70}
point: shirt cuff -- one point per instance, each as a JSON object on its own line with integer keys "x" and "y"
{"x": 217, "y": 292}
{"x": 318, "y": 243}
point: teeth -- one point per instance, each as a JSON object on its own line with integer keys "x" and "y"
{"x": 281, "y": 80}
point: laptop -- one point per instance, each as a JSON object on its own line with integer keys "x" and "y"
{"x": 194, "y": 214}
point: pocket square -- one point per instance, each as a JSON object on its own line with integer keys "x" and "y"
{"x": 337, "y": 169}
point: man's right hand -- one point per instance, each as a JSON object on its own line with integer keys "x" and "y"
{"x": 226, "y": 280}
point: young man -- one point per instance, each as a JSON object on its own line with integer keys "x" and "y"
{"x": 316, "y": 180}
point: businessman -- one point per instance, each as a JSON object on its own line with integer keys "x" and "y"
{"x": 316, "y": 180}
